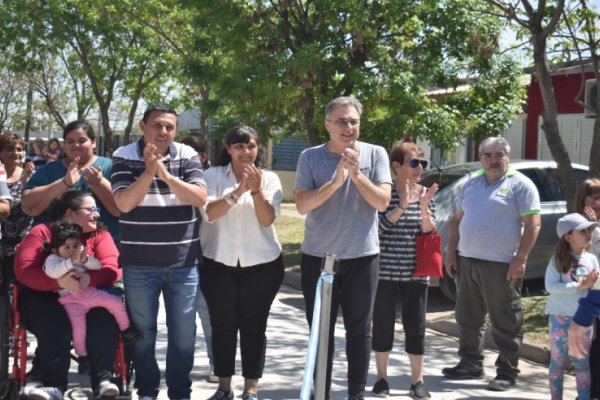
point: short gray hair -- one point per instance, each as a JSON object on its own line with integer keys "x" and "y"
{"x": 343, "y": 101}
{"x": 494, "y": 141}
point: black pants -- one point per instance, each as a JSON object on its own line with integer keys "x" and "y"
{"x": 595, "y": 362}
{"x": 413, "y": 298}
{"x": 239, "y": 299}
{"x": 354, "y": 288}
{"x": 47, "y": 319}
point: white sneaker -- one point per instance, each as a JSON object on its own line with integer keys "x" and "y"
{"x": 108, "y": 389}
{"x": 45, "y": 393}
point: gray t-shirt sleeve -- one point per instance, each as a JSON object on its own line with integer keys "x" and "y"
{"x": 527, "y": 197}
{"x": 382, "y": 172}
{"x": 304, "y": 176}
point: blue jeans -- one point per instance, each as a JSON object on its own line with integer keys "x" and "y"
{"x": 179, "y": 286}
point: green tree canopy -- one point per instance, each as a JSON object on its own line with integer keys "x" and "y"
{"x": 276, "y": 64}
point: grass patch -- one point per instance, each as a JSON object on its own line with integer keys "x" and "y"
{"x": 535, "y": 321}
{"x": 290, "y": 231}
{"x": 535, "y": 324}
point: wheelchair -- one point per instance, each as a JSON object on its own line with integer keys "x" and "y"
{"x": 14, "y": 343}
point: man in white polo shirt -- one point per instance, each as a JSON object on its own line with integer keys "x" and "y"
{"x": 489, "y": 239}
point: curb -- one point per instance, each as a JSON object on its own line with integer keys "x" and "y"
{"x": 529, "y": 351}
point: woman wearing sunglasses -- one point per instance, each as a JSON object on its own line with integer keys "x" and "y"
{"x": 410, "y": 213}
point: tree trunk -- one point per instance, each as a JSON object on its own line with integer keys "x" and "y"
{"x": 204, "y": 96}
{"x": 549, "y": 118}
{"x": 131, "y": 115}
{"x": 107, "y": 133}
{"x": 28, "y": 112}
{"x": 308, "y": 104}
{"x": 595, "y": 150}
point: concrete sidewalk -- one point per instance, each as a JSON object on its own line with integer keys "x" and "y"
{"x": 287, "y": 335}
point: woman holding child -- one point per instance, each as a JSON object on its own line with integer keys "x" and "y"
{"x": 39, "y": 303}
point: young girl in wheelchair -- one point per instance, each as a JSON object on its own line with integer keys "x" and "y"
{"x": 69, "y": 257}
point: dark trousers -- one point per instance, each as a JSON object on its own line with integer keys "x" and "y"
{"x": 482, "y": 288}
{"x": 47, "y": 319}
{"x": 239, "y": 299}
{"x": 595, "y": 362}
{"x": 354, "y": 288}
{"x": 413, "y": 302}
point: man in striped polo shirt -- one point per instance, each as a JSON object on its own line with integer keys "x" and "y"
{"x": 158, "y": 185}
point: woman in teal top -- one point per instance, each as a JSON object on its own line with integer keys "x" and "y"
{"x": 81, "y": 170}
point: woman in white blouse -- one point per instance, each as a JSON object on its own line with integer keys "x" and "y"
{"x": 243, "y": 267}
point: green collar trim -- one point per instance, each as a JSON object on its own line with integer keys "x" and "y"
{"x": 510, "y": 171}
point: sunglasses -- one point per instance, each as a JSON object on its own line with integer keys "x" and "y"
{"x": 592, "y": 198}
{"x": 91, "y": 210}
{"x": 414, "y": 163}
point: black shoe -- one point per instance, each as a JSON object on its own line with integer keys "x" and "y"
{"x": 84, "y": 366}
{"x": 502, "y": 383}
{"x": 222, "y": 395}
{"x": 358, "y": 396}
{"x": 418, "y": 391}
{"x": 459, "y": 372}
{"x": 381, "y": 388}
{"x": 130, "y": 334}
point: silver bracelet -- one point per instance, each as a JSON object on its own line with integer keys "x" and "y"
{"x": 228, "y": 199}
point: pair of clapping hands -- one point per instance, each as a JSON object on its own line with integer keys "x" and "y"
{"x": 588, "y": 280}
{"x": 92, "y": 176}
{"x": 76, "y": 280}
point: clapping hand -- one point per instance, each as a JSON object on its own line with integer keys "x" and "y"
{"x": 92, "y": 176}
{"x": 73, "y": 173}
{"x": 151, "y": 158}
{"x": 28, "y": 170}
{"x": 427, "y": 196}
{"x": 587, "y": 281}
{"x": 351, "y": 162}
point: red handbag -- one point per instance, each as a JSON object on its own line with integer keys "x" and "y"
{"x": 429, "y": 255}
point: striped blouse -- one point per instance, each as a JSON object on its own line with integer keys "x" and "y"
{"x": 397, "y": 241}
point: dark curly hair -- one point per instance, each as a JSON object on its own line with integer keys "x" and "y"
{"x": 62, "y": 231}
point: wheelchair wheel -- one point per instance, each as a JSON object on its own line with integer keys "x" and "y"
{"x": 5, "y": 310}
{"x": 9, "y": 390}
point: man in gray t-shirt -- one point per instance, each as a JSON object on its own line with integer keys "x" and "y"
{"x": 341, "y": 185}
{"x": 493, "y": 230}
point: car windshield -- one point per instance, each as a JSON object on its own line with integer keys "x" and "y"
{"x": 445, "y": 176}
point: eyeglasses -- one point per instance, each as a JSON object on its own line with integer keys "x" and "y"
{"x": 91, "y": 210}
{"x": 342, "y": 123}
{"x": 414, "y": 163}
{"x": 592, "y": 198}
{"x": 488, "y": 156}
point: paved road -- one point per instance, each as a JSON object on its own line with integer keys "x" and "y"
{"x": 287, "y": 334}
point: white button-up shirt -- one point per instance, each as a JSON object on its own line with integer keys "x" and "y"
{"x": 237, "y": 236}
